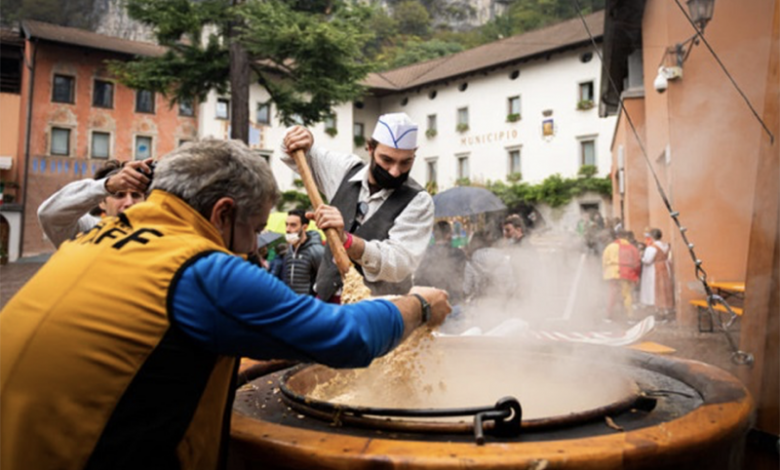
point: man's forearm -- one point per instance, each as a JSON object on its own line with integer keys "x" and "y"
{"x": 411, "y": 311}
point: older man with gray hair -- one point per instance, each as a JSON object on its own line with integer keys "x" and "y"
{"x": 137, "y": 373}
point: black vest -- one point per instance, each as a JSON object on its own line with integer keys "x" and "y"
{"x": 375, "y": 228}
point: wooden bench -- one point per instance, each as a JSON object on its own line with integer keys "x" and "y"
{"x": 701, "y": 307}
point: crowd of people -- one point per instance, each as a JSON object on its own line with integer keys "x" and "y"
{"x": 121, "y": 351}
{"x": 639, "y": 276}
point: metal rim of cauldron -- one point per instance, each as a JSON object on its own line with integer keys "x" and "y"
{"x": 378, "y": 418}
{"x": 707, "y": 431}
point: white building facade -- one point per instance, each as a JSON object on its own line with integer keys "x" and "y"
{"x": 521, "y": 106}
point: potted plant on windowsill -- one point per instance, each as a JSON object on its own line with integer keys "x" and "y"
{"x": 331, "y": 131}
{"x": 583, "y": 105}
{"x": 462, "y": 127}
{"x": 359, "y": 140}
{"x": 513, "y": 117}
{"x": 430, "y": 133}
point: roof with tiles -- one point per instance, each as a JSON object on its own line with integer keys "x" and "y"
{"x": 80, "y": 37}
{"x": 507, "y": 51}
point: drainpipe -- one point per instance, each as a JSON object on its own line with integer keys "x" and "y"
{"x": 28, "y": 130}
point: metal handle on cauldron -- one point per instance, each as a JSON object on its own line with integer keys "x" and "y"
{"x": 507, "y": 416}
{"x": 339, "y": 253}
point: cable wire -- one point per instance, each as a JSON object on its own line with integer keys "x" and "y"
{"x": 738, "y": 356}
{"x": 700, "y": 34}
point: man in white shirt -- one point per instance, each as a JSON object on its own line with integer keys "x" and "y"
{"x": 116, "y": 187}
{"x": 383, "y": 217}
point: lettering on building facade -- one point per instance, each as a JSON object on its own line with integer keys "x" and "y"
{"x": 489, "y": 138}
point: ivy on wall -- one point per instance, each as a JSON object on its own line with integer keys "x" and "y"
{"x": 554, "y": 191}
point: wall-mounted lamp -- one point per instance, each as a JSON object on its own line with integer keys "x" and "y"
{"x": 671, "y": 64}
{"x": 701, "y": 12}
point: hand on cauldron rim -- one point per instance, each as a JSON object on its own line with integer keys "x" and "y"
{"x": 439, "y": 301}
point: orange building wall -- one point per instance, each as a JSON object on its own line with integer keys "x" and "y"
{"x": 47, "y": 173}
{"x": 9, "y": 133}
{"x": 635, "y": 206}
{"x": 712, "y": 136}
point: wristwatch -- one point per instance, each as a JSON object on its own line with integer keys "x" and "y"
{"x": 426, "y": 308}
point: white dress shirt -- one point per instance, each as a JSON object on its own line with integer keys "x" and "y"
{"x": 397, "y": 257}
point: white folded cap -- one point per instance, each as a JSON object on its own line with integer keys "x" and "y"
{"x": 396, "y": 130}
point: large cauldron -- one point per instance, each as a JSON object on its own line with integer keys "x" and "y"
{"x": 668, "y": 414}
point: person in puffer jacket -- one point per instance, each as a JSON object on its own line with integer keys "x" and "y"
{"x": 304, "y": 254}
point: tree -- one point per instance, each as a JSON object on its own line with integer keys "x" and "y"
{"x": 306, "y": 54}
{"x": 413, "y": 19}
{"x": 415, "y": 50}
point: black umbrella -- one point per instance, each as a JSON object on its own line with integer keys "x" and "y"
{"x": 267, "y": 238}
{"x": 464, "y": 201}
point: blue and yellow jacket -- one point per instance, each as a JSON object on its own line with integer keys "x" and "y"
{"x": 119, "y": 353}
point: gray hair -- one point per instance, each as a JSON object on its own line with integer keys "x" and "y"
{"x": 200, "y": 173}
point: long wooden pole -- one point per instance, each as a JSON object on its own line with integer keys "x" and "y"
{"x": 334, "y": 241}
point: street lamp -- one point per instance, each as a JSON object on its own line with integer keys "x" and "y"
{"x": 701, "y": 12}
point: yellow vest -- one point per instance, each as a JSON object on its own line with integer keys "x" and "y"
{"x": 78, "y": 340}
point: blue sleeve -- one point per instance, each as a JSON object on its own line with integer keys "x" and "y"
{"x": 233, "y": 307}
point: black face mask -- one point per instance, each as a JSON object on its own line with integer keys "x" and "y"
{"x": 383, "y": 177}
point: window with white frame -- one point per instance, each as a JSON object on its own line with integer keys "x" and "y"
{"x": 143, "y": 147}
{"x": 513, "y": 106}
{"x": 263, "y": 115}
{"x": 586, "y": 91}
{"x": 463, "y": 167}
{"x": 101, "y": 145}
{"x": 223, "y": 108}
{"x": 359, "y": 130}
{"x": 60, "y": 141}
{"x": 431, "y": 123}
{"x": 330, "y": 121}
{"x": 463, "y": 117}
{"x": 431, "y": 175}
{"x": 588, "y": 151}
{"x": 514, "y": 161}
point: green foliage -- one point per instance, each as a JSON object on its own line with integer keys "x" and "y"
{"x": 74, "y": 13}
{"x": 463, "y": 182}
{"x": 395, "y": 35}
{"x": 293, "y": 199}
{"x": 584, "y": 104}
{"x": 514, "y": 177}
{"x": 587, "y": 171}
{"x": 462, "y": 127}
{"x": 290, "y": 43}
{"x": 331, "y": 131}
{"x": 513, "y": 117}
{"x": 416, "y": 50}
{"x": 430, "y": 133}
{"x": 554, "y": 191}
{"x": 432, "y": 187}
{"x": 359, "y": 141}
{"x": 412, "y": 18}
{"x": 307, "y": 62}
